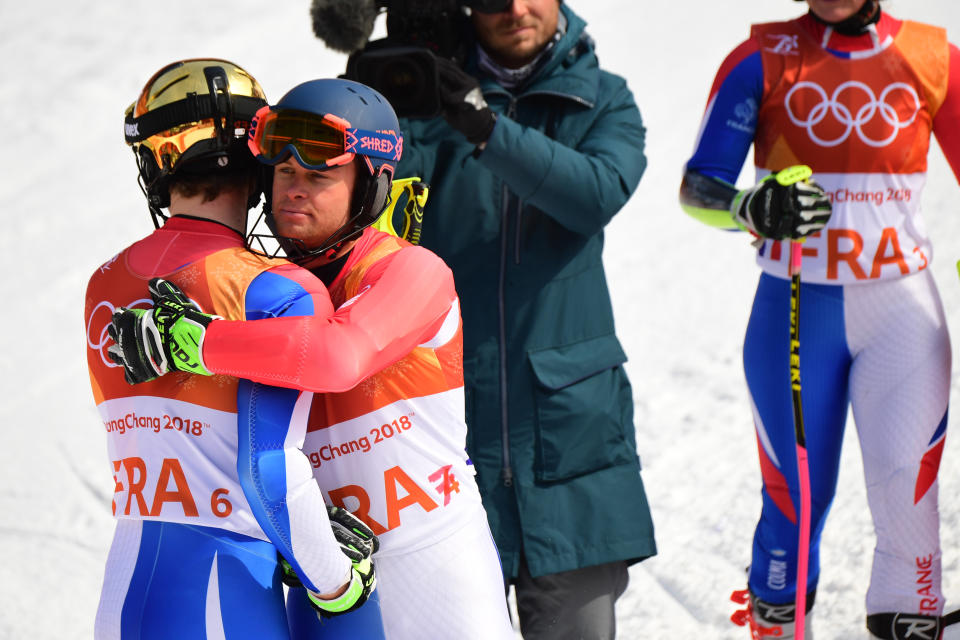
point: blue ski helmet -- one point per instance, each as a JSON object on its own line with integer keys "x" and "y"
{"x": 323, "y": 124}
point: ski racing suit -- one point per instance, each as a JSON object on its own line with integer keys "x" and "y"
{"x": 204, "y": 498}
{"x": 385, "y": 433}
{"x": 859, "y": 110}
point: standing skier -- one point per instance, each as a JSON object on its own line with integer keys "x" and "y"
{"x": 855, "y": 94}
{"x": 205, "y": 497}
{"x": 385, "y": 434}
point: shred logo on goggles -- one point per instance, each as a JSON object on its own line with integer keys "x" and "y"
{"x": 866, "y": 113}
{"x": 386, "y": 144}
{"x": 318, "y": 143}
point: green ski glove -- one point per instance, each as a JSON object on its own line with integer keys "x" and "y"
{"x": 362, "y": 583}
{"x": 181, "y": 326}
{"x": 169, "y": 337}
{"x": 358, "y": 543}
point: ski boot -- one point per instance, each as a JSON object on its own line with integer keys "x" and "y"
{"x": 901, "y": 626}
{"x": 769, "y": 621}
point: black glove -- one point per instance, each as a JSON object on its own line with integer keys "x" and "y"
{"x": 784, "y": 205}
{"x": 356, "y": 539}
{"x": 137, "y": 345}
{"x": 463, "y": 104}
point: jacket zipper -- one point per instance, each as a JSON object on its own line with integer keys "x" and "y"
{"x": 516, "y": 237}
{"x": 506, "y": 471}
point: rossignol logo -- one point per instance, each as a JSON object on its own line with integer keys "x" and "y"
{"x": 786, "y": 44}
{"x": 873, "y": 111}
{"x": 782, "y": 613}
{"x": 907, "y": 627}
{"x": 98, "y": 337}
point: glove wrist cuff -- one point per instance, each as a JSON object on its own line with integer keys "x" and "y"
{"x": 342, "y": 603}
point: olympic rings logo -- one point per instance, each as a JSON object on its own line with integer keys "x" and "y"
{"x": 842, "y": 114}
{"x": 103, "y": 338}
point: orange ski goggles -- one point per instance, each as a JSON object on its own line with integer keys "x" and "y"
{"x": 317, "y": 142}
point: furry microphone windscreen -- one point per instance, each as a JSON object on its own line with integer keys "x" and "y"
{"x": 343, "y": 25}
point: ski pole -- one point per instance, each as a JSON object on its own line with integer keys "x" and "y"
{"x": 803, "y": 468}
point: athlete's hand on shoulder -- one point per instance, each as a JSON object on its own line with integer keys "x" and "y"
{"x": 135, "y": 346}
{"x": 168, "y": 337}
{"x": 784, "y": 205}
{"x": 358, "y": 543}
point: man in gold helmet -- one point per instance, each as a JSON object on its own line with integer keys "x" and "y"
{"x": 206, "y": 498}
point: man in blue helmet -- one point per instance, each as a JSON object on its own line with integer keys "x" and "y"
{"x": 383, "y": 401}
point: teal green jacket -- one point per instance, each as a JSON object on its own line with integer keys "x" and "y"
{"x": 549, "y": 406}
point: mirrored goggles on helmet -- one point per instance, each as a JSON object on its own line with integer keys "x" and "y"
{"x": 167, "y": 146}
{"x": 317, "y": 142}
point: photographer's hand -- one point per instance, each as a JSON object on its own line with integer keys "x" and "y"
{"x": 463, "y": 104}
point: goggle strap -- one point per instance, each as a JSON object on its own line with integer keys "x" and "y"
{"x": 219, "y": 88}
{"x": 192, "y": 109}
{"x": 387, "y": 145}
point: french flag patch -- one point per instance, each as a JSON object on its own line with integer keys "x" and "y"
{"x": 930, "y": 463}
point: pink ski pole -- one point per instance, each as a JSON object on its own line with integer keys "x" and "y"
{"x": 803, "y": 468}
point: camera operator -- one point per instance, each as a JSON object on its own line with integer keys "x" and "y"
{"x": 536, "y": 149}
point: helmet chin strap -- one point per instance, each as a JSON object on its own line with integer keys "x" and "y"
{"x": 151, "y": 192}
{"x": 329, "y": 248}
{"x": 856, "y": 24}
{"x": 369, "y": 208}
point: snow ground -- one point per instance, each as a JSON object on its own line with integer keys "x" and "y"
{"x": 681, "y": 292}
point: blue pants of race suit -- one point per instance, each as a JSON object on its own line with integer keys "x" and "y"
{"x": 883, "y": 349}
{"x": 165, "y": 580}
{"x": 361, "y": 624}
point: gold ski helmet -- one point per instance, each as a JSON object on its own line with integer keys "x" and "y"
{"x": 191, "y": 116}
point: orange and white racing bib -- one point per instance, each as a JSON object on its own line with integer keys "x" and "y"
{"x": 863, "y": 124}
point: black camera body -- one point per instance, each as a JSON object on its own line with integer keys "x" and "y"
{"x": 403, "y": 66}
